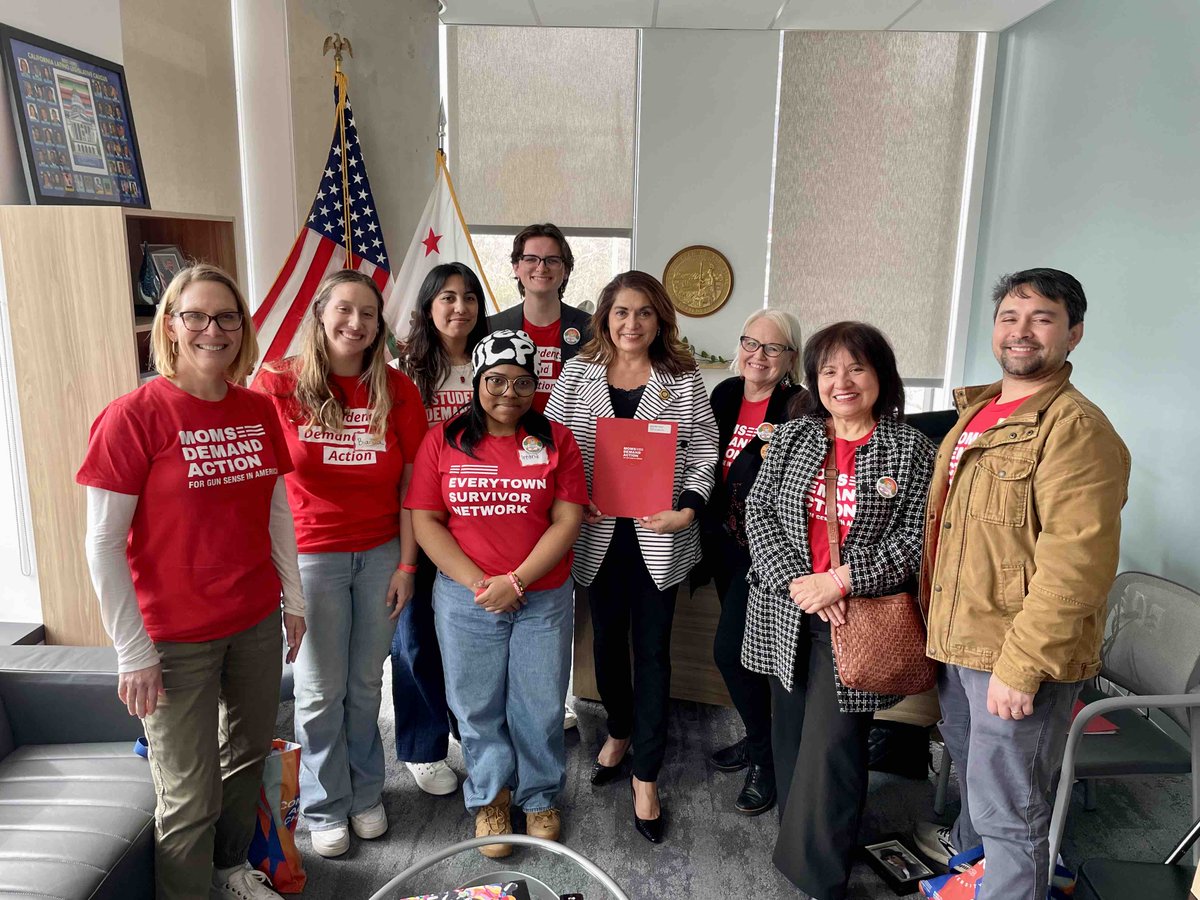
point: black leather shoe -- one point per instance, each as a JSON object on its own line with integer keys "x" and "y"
{"x": 731, "y": 759}
{"x": 602, "y": 774}
{"x": 758, "y": 793}
{"x": 653, "y": 830}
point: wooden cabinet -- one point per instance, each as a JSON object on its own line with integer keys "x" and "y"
{"x": 69, "y": 276}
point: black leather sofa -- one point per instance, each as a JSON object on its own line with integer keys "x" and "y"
{"x": 76, "y": 803}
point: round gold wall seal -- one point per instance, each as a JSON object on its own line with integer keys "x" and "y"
{"x": 698, "y": 280}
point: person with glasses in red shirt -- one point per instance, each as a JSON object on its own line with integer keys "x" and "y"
{"x": 497, "y": 499}
{"x": 189, "y": 541}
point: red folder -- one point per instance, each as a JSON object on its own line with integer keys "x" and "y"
{"x": 1096, "y": 724}
{"x": 634, "y": 470}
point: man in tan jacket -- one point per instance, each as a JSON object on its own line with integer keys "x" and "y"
{"x": 1022, "y": 537}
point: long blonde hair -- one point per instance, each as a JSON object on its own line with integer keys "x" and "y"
{"x": 310, "y": 366}
{"x": 164, "y": 352}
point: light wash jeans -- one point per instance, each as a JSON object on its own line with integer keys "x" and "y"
{"x": 506, "y": 680}
{"x": 339, "y": 682}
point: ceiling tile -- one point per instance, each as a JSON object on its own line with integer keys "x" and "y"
{"x": 967, "y": 15}
{"x": 590, "y": 14}
{"x": 488, "y": 12}
{"x": 842, "y": 15}
{"x": 748, "y": 14}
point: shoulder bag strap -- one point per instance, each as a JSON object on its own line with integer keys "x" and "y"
{"x": 831, "y": 521}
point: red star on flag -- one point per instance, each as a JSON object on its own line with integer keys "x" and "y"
{"x": 431, "y": 242}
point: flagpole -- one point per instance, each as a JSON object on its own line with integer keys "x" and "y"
{"x": 443, "y": 171}
{"x": 338, "y": 43}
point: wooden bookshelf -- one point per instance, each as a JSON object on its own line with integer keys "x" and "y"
{"x": 69, "y": 278}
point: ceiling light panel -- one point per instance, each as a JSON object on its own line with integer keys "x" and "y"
{"x": 842, "y": 15}
{"x": 488, "y": 12}
{"x": 590, "y": 14}
{"x": 748, "y": 14}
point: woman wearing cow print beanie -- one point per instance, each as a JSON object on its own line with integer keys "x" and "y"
{"x": 497, "y": 499}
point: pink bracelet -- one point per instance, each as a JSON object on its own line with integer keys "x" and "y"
{"x": 516, "y": 583}
{"x": 838, "y": 581}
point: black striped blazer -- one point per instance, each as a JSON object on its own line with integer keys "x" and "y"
{"x": 580, "y": 396}
{"x": 882, "y": 547}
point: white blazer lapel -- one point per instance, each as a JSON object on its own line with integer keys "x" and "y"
{"x": 660, "y": 391}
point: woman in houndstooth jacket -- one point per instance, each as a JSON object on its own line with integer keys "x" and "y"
{"x": 857, "y": 398}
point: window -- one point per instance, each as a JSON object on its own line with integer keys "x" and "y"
{"x": 871, "y": 153}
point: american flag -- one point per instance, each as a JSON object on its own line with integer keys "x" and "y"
{"x": 320, "y": 248}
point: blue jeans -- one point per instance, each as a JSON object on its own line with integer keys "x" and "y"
{"x": 506, "y": 679}
{"x": 1005, "y": 770}
{"x": 339, "y": 682}
{"x": 418, "y": 683}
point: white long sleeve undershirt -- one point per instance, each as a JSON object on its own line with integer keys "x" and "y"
{"x": 109, "y": 516}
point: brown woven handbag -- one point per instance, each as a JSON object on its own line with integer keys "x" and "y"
{"x": 881, "y": 648}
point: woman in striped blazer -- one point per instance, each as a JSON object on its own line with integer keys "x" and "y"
{"x": 635, "y": 366}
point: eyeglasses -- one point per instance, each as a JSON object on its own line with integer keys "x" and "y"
{"x": 198, "y": 321}
{"x": 497, "y": 385}
{"x": 551, "y": 262}
{"x": 749, "y": 344}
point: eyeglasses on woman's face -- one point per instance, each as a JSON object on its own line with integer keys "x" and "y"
{"x": 750, "y": 345}
{"x": 532, "y": 261}
{"x": 522, "y": 385}
{"x": 193, "y": 320}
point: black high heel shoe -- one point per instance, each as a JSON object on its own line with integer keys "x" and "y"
{"x": 602, "y": 774}
{"x": 653, "y": 830}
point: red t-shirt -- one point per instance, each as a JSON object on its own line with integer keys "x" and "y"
{"x": 991, "y": 415}
{"x": 547, "y": 338}
{"x": 846, "y": 493}
{"x": 499, "y": 502}
{"x": 451, "y": 395}
{"x": 750, "y": 416}
{"x": 203, "y": 472}
{"x": 345, "y": 490}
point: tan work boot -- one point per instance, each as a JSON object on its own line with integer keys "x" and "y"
{"x": 494, "y": 819}
{"x": 546, "y": 823}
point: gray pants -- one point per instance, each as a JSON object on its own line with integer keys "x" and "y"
{"x": 1005, "y": 771}
{"x": 209, "y": 738}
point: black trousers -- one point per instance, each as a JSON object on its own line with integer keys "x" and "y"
{"x": 621, "y": 596}
{"x": 749, "y": 691}
{"x": 820, "y": 770}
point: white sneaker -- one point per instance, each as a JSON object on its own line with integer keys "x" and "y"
{"x": 570, "y": 720}
{"x": 934, "y": 841}
{"x": 370, "y": 823}
{"x": 331, "y": 841}
{"x": 435, "y": 778}
{"x": 246, "y": 884}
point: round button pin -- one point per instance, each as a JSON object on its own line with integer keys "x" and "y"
{"x": 887, "y": 487}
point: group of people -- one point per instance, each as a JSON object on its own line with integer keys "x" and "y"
{"x": 440, "y": 510}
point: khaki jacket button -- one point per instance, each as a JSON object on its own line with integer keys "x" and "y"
{"x": 937, "y": 588}
{"x": 1002, "y": 473}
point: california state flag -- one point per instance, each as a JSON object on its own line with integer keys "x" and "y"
{"x": 441, "y": 237}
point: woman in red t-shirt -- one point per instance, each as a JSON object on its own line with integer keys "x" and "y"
{"x": 497, "y": 499}
{"x": 853, "y": 418}
{"x": 448, "y": 323}
{"x": 189, "y": 540}
{"x": 353, "y": 426}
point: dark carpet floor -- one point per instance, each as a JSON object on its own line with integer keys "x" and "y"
{"x": 710, "y": 851}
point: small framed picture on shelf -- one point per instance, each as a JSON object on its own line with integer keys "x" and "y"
{"x": 74, "y": 123}
{"x": 899, "y": 867}
{"x": 160, "y": 263}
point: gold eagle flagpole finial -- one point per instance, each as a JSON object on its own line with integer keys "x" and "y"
{"x": 337, "y": 44}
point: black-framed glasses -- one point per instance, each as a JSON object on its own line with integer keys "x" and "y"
{"x": 194, "y": 320}
{"x": 552, "y": 262}
{"x": 522, "y": 385}
{"x": 749, "y": 344}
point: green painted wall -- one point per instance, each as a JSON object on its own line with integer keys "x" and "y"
{"x": 1094, "y": 168}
